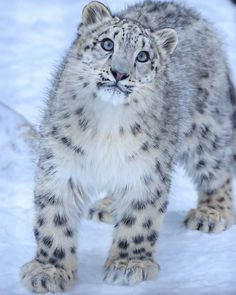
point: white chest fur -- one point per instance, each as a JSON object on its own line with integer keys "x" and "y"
{"x": 111, "y": 162}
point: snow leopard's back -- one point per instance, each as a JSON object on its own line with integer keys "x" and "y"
{"x": 198, "y": 57}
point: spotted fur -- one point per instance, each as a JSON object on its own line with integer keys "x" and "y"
{"x": 118, "y": 121}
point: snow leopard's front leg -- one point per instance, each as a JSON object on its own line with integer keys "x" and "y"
{"x": 138, "y": 219}
{"x": 55, "y": 229}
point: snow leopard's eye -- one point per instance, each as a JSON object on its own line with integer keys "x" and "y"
{"x": 107, "y": 44}
{"x": 143, "y": 56}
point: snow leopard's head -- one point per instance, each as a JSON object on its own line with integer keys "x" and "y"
{"x": 120, "y": 57}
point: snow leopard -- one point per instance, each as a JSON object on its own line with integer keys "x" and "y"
{"x": 138, "y": 92}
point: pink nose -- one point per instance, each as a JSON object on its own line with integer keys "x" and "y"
{"x": 118, "y": 75}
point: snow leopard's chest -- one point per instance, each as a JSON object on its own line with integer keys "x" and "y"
{"x": 111, "y": 162}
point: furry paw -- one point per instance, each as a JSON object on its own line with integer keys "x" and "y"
{"x": 207, "y": 220}
{"x": 43, "y": 278}
{"x": 130, "y": 272}
{"x": 101, "y": 211}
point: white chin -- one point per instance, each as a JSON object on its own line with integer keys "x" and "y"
{"x": 112, "y": 95}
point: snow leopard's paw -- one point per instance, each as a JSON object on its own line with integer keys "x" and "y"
{"x": 208, "y": 220}
{"x": 130, "y": 272}
{"x": 43, "y": 278}
{"x": 101, "y": 210}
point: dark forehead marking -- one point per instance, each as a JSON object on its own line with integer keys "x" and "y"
{"x": 104, "y": 32}
{"x": 131, "y": 24}
{"x": 116, "y": 33}
{"x": 143, "y": 43}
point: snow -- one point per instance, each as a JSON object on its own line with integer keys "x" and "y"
{"x": 33, "y": 37}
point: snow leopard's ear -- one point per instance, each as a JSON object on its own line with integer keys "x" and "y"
{"x": 167, "y": 38}
{"x": 95, "y": 13}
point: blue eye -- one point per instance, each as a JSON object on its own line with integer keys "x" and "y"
{"x": 143, "y": 56}
{"x": 107, "y": 44}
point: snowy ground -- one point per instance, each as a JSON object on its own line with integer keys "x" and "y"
{"x": 33, "y": 37}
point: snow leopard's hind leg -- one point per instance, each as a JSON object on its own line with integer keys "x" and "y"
{"x": 214, "y": 212}
{"x": 208, "y": 157}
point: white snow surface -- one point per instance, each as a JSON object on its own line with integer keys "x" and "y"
{"x": 34, "y": 35}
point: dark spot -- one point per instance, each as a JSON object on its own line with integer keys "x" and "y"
{"x": 128, "y": 220}
{"x": 147, "y": 179}
{"x": 59, "y": 253}
{"x": 220, "y": 207}
{"x": 158, "y": 166}
{"x": 123, "y": 254}
{"x": 147, "y": 224}
{"x": 121, "y": 131}
{"x": 201, "y": 164}
{"x": 83, "y": 123}
{"x": 44, "y": 282}
{"x": 94, "y": 95}
{"x": 41, "y": 221}
{"x": 36, "y": 234}
{"x": 43, "y": 253}
{"x": 86, "y": 48}
{"x": 66, "y": 115}
{"x": 139, "y": 250}
{"x": 69, "y": 233}
{"x": 49, "y": 155}
{"x": 221, "y": 199}
{"x": 156, "y": 142}
{"x": 47, "y": 240}
{"x": 52, "y": 260}
{"x": 199, "y": 225}
{"x": 135, "y": 129}
{"x": 143, "y": 43}
{"x": 210, "y": 193}
{"x": 145, "y": 146}
{"x": 79, "y": 111}
{"x": 138, "y": 205}
{"x": 204, "y": 74}
{"x": 59, "y": 219}
{"x": 211, "y": 227}
{"x": 85, "y": 84}
{"x": 34, "y": 282}
{"x": 199, "y": 149}
{"x": 157, "y": 194}
{"x": 78, "y": 149}
{"x": 54, "y": 130}
{"x": 148, "y": 254}
{"x": 73, "y": 250}
{"x": 66, "y": 141}
{"x": 163, "y": 207}
{"x": 100, "y": 215}
{"x": 152, "y": 237}
{"x": 116, "y": 33}
{"x": 46, "y": 199}
{"x": 138, "y": 239}
{"x": 205, "y": 131}
{"x": 123, "y": 244}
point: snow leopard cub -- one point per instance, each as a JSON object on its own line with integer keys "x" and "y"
{"x": 136, "y": 93}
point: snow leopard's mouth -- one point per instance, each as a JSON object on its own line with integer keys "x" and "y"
{"x": 115, "y": 86}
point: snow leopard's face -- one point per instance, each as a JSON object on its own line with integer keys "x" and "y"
{"x": 120, "y": 57}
